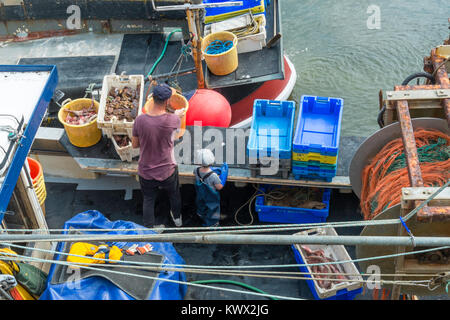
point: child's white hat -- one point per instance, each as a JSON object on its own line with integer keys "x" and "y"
{"x": 205, "y": 157}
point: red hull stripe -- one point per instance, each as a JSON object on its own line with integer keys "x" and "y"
{"x": 270, "y": 90}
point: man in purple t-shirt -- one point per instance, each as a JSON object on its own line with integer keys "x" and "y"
{"x": 154, "y": 134}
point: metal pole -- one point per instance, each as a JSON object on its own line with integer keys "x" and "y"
{"x": 192, "y": 17}
{"x": 174, "y": 74}
{"x": 237, "y": 239}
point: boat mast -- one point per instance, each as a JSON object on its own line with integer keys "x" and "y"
{"x": 193, "y": 17}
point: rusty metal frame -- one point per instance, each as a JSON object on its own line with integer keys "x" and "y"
{"x": 436, "y": 66}
{"x": 427, "y": 214}
{"x": 425, "y": 102}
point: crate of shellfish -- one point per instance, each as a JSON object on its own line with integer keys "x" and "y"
{"x": 333, "y": 275}
{"x": 121, "y": 102}
{"x": 123, "y": 147}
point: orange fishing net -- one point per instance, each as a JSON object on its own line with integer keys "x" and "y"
{"x": 387, "y": 173}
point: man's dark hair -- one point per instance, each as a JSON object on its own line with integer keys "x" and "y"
{"x": 158, "y": 100}
{"x": 161, "y": 93}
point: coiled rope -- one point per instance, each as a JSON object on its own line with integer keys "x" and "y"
{"x": 387, "y": 173}
{"x": 218, "y": 47}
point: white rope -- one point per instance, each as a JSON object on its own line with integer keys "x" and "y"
{"x": 24, "y": 258}
{"x": 418, "y": 283}
{"x": 8, "y": 256}
{"x": 186, "y": 267}
{"x": 223, "y": 268}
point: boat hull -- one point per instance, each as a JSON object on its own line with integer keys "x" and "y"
{"x": 242, "y": 110}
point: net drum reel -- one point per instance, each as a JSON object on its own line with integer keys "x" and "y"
{"x": 373, "y": 144}
{"x": 427, "y": 264}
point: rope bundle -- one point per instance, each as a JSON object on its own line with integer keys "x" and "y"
{"x": 218, "y": 47}
{"x": 387, "y": 173}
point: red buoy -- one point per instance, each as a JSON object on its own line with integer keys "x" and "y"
{"x": 209, "y": 107}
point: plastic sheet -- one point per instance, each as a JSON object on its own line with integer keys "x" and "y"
{"x": 98, "y": 288}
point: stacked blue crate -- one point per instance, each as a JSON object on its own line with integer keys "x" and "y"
{"x": 313, "y": 172}
{"x": 278, "y": 214}
{"x": 271, "y": 133}
{"x": 317, "y": 136}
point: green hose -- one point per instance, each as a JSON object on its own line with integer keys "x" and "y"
{"x": 244, "y": 285}
{"x": 164, "y": 51}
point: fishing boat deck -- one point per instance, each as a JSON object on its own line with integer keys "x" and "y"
{"x": 102, "y": 158}
{"x": 64, "y": 201}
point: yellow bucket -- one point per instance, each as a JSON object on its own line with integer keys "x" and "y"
{"x": 85, "y": 135}
{"x": 177, "y": 101}
{"x": 223, "y": 63}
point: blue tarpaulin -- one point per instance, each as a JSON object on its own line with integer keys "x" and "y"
{"x": 99, "y": 288}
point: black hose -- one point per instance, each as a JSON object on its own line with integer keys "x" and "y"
{"x": 380, "y": 117}
{"x": 427, "y": 75}
{"x": 405, "y": 82}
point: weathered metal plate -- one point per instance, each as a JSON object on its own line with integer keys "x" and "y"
{"x": 423, "y": 193}
{"x": 417, "y": 94}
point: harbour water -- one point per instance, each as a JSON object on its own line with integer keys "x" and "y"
{"x": 338, "y": 52}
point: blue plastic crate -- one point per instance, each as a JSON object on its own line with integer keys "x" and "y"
{"x": 314, "y": 165}
{"x": 347, "y": 290}
{"x": 313, "y": 173}
{"x": 247, "y": 4}
{"x": 319, "y": 125}
{"x": 291, "y": 215}
{"x": 314, "y": 170}
{"x": 343, "y": 294}
{"x": 272, "y": 129}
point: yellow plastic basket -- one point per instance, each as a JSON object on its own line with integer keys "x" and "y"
{"x": 312, "y": 156}
{"x": 220, "y": 17}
